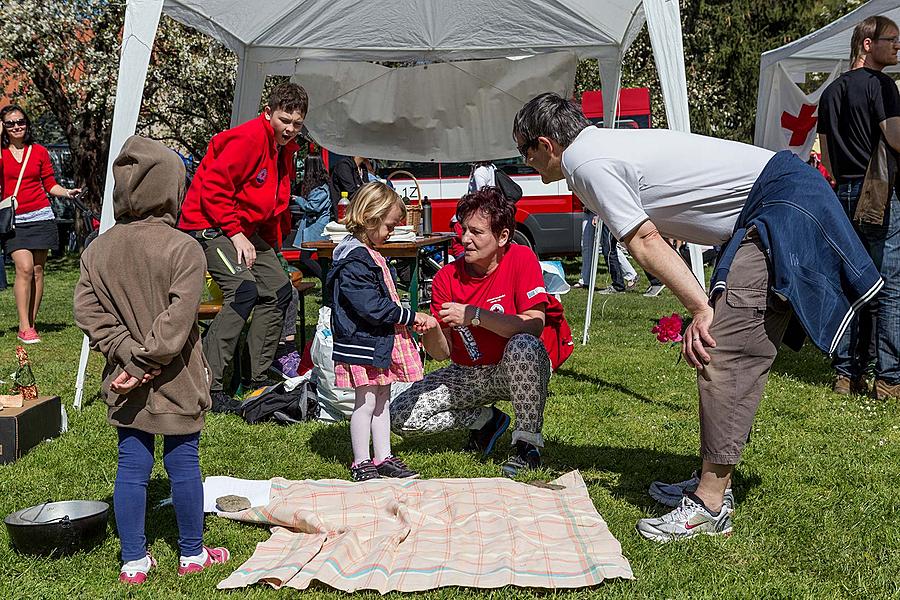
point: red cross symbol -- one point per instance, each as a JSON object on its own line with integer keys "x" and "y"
{"x": 799, "y": 125}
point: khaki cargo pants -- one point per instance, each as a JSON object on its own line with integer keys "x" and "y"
{"x": 264, "y": 290}
{"x": 749, "y": 323}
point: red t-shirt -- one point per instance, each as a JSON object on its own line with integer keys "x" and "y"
{"x": 516, "y": 285}
{"x": 37, "y": 181}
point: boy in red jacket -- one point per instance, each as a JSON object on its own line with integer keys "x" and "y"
{"x": 237, "y": 208}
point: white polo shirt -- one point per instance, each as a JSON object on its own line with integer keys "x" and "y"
{"x": 691, "y": 186}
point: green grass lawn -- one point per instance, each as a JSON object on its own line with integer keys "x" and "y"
{"x": 818, "y": 514}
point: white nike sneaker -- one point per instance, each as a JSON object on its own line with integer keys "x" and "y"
{"x": 689, "y": 519}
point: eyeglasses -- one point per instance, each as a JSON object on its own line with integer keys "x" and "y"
{"x": 893, "y": 40}
{"x": 12, "y": 124}
{"x": 525, "y": 146}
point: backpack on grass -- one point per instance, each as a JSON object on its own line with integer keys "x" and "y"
{"x": 282, "y": 405}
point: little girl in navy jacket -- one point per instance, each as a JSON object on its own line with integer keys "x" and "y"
{"x": 372, "y": 344}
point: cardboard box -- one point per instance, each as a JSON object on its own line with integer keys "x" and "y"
{"x": 21, "y": 429}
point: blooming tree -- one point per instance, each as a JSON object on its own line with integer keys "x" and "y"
{"x": 60, "y": 58}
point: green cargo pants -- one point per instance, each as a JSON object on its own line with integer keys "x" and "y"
{"x": 264, "y": 289}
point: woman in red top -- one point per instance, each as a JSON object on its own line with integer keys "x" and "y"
{"x": 35, "y": 231}
{"x": 490, "y": 305}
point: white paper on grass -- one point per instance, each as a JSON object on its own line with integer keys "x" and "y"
{"x": 216, "y": 486}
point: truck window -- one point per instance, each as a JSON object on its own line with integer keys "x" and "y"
{"x": 419, "y": 170}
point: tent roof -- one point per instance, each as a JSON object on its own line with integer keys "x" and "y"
{"x": 402, "y": 30}
{"x": 821, "y": 50}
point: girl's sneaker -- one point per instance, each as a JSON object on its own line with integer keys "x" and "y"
{"x": 364, "y": 471}
{"x": 395, "y": 468}
{"x": 209, "y": 557}
{"x": 29, "y": 336}
{"x": 134, "y": 572}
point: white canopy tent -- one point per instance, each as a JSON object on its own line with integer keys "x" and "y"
{"x": 291, "y": 37}
{"x": 780, "y": 102}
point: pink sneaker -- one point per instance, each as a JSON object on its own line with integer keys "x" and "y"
{"x": 197, "y": 564}
{"x": 135, "y": 571}
{"x": 29, "y": 336}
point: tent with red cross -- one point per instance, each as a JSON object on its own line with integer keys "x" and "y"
{"x": 786, "y": 116}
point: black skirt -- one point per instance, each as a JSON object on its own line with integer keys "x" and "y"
{"x": 37, "y": 235}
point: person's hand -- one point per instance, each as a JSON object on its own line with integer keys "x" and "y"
{"x": 424, "y": 323}
{"x": 455, "y": 314}
{"x": 246, "y": 253}
{"x": 124, "y": 383}
{"x": 697, "y": 338}
{"x": 73, "y": 192}
{"x": 150, "y": 375}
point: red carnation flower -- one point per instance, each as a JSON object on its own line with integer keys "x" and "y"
{"x": 669, "y": 329}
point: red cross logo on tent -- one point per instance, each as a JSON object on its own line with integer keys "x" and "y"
{"x": 799, "y": 125}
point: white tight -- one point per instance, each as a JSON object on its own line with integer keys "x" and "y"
{"x": 371, "y": 415}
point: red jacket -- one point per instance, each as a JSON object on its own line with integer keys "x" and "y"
{"x": 557, "y": 336}
{"x": 243, "y": 184}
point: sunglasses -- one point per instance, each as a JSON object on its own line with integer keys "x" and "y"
{"x": 525, "y": 147}
{"x": 17, "y": 123}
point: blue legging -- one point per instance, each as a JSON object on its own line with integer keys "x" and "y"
{"x": 182, "y": 461}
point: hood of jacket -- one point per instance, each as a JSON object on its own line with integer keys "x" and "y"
{"x": 346, "y": 246}
{"x": 149, "y": 181}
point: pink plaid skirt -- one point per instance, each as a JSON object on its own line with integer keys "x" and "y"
{"x": 406, "y": 364}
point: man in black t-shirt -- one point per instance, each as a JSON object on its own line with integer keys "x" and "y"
{"x": 855, "y": 111}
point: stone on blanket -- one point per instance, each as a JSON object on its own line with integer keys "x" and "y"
{"x": 232, "y": 503}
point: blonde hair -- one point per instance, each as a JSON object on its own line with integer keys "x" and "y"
{"x": 370, "y": 207}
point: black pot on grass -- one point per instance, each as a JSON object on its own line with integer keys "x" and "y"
{"x": 58, "y": 528}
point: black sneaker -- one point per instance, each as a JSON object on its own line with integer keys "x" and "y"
{"x": 527, "y": 456}
{"x": 364, "y": 471}
{"x": 223, "y": 403}
{"x": 395, "y": 468}
{"x": 483, "y": 440}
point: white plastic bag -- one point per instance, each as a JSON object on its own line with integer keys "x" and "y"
{"x": 336, "y": 403}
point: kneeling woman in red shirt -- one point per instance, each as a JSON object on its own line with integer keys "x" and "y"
{"x": 28, "y": 175}
{"x": 491, "y": 307}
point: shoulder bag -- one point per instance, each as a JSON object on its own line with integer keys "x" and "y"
{"x": 8, "y": 205}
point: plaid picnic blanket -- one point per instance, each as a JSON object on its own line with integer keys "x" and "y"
{"x": 412, "y": 535}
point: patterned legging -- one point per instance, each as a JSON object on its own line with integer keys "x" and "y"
{"x": 458, "y": 397}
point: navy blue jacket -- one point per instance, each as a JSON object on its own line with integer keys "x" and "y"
{"x": 363, "y": 314}
{"x": 819, "y": 264}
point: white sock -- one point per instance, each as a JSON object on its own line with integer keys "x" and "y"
{"x": 200, "y": 559}
{"x": 141, "y": 565}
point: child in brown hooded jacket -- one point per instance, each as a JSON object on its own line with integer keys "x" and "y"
{"x": 137, "y": 302}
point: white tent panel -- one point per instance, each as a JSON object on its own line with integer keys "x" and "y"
{"x": 664, "y": 25}
{"x": 249, "y": 82}
{"x": 408, "y": 29}
{"x": 460, "y": 111}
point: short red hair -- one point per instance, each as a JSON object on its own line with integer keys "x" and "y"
{"x": 493, "y": 204}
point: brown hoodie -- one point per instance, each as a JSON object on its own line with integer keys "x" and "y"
{"x": 138, "y": 296}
